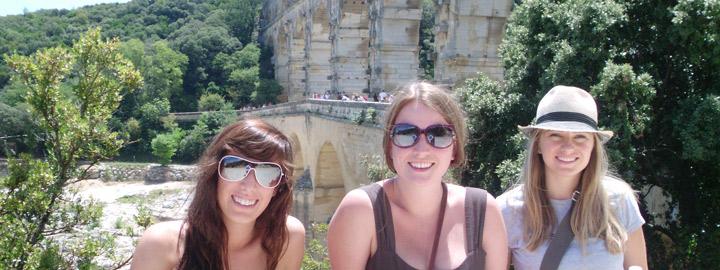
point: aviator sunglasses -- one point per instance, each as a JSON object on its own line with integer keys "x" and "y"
{"x": 234, "y": 169}
{"x": 406, "y": 135}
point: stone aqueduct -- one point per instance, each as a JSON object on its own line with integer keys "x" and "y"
{"x": 365, "y": 46}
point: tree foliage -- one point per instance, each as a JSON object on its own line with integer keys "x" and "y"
{"x": 183, "y": 49}
{"x": 427, "y": 39}
{"x": 165, "y": 145}
{"x": 37, "y": 205}
{"x": 652, "y": 66}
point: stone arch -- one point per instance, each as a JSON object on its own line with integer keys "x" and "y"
{"x": 328, "y": 185}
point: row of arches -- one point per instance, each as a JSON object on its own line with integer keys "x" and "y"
{"x": 316, "y": 195}
{"x": 337, "y": 46}
{"x": 364, "y": 47}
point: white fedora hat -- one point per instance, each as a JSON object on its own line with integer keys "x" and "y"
{"x": 567, "y": 108}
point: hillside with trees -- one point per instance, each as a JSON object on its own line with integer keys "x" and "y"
{"x": 186, "y": 51}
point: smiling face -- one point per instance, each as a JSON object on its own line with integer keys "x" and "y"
{"x": 565, "y": 154}
{"x": 243, "y": 201}
{"x": 421, "y": 163}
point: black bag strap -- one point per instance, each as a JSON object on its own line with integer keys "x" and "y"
{"x": 559, "y": 242}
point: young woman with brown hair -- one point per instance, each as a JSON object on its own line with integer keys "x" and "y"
{"x": 415, "y": 220}
{"x": 239, "y": 216}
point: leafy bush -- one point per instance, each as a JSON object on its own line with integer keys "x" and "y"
{"x": 143, "y": 217}
{"x": 316, "y": 253}
{"x": 267, "y": 91}
{"x": 213, "y": 102}
{"x": 376, "y": 168}
{"x": 165, "y": 145}
{"x": 194, "y": 143}
{"x": 371, "y": 116}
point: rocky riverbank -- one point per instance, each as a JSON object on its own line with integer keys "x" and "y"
{"x": 122, "y": 201}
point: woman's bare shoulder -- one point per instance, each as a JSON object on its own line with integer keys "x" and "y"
{"x": 165, "y": 232}
{"x": 158, "y": 247}
{"x": 295, "y": 226}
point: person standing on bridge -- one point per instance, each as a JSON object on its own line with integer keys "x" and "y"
{"x": 568, "y": 212}
{"x": 415, "y": 220}
{"x": 239, "y": 216}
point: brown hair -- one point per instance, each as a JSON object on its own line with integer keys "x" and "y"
{"x": 591, "y": 217}
{"x": 206, "y": 237}
{"x": 438, "y": 99}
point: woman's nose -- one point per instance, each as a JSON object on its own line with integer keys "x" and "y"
{"x": 249, "y": 180}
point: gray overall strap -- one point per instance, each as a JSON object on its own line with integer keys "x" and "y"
{"x": 559, "y": 243}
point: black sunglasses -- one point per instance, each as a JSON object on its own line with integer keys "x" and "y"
{"x": 234, "y": 168}
{"x": 406, "y": 135}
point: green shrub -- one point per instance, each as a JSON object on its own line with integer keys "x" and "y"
{"x": 213, "y": 102}
{"x": 376, "y": 168}
{"x": 316, "y": 253}
{"x": 165, "y": 145}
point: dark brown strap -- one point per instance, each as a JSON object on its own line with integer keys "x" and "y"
{"x": 475, "y": 200}
{"x": 383, "y": 224}
{"x": 559, "y": 242}
{"x": 438, "y": 230}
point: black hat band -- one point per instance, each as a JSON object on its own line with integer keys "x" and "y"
{"x": 568, "y": 116}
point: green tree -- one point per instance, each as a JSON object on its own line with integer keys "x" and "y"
{"x": 162, "y": 69}
{"x": 242, "y": 84}
{"x": 240, "y": 17}
{"x": 150, "y": 116}
{"x": 200, "y": 43}
{"x": 652, "y": 66}
{"x": 37, "y": 205}
{"x": 427, "y": 39}
{"x": 194, "y": 143}
{"x": 240, "y": 71}
{"x": 17, "y": 130}
{"x": 490, "y": 110}
{"x": 165, "y": 145}
{"x": 13, "y": 94}
{"x": 163, "y": 73}
{"x": 213, "y": 102}
{"x": 267, "y": 91}
{"x": 217, "y": 115}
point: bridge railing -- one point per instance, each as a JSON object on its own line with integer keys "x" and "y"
{"x": 332, "y": 109}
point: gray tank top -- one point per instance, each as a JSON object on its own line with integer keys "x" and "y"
{"x": 385, "y": 256}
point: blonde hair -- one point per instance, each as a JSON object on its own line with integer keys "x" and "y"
{"x": 592, "y": 216}
{"x": 438, "y": 99}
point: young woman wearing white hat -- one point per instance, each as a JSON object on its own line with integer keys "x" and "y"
{"x": 566, "y": 204}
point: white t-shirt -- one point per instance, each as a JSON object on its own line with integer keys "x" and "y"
{"x": 596, "y": 256}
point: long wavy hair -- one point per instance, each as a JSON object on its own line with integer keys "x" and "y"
{"x": 592, "y": 215}
{"x": 206, "y": 236}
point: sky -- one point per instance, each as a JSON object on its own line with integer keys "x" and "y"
{"x": 16, "y": 7}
